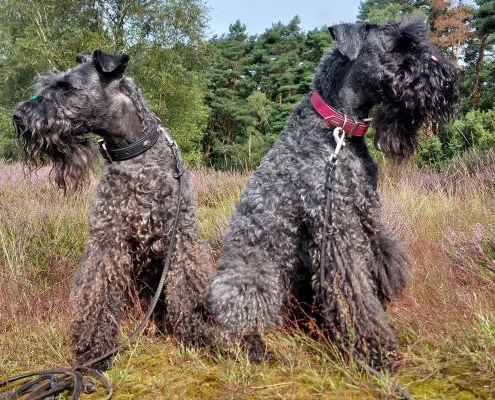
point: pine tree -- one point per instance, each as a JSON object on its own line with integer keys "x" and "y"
{"x": 484, "y": 23}
{"x": 254, "y": 85}
{"x": 450, "y": 30}
{"x": 228, "y": 90}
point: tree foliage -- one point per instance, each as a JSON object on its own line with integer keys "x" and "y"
{"x": 382, "y": 10}
{"x": 226, "y": 99}
{"x": 449, "y": 24}
{"x": 165, "y": 39}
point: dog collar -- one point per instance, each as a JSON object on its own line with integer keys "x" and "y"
{"x": 125, "y": 153}
{"x": 335, "y": 118}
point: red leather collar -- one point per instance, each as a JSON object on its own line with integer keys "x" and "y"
{"x": 334, "y": 118}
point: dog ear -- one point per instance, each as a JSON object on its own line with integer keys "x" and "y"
{"x": 349, "y": 38}
{"x": 404, "y": 35}
{"x": 110, "y": 65}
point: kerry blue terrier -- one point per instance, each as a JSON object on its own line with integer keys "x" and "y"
{"x": 272, "y": 252}
{"x": 136, "y": 200}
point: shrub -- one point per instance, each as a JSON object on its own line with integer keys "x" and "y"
{"x": 474, "y": 129}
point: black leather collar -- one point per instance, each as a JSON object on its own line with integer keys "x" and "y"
{"x": 126, "y": 153}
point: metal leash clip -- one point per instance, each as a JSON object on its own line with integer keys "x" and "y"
{"x": 339, "y": 136}
{"x": 103, "y": 150}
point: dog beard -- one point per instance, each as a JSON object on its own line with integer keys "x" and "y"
{"x": 70, "y": 151}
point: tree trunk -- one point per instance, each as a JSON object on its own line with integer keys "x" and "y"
{"x": 476, "y": 96}
{"x": 207, "y": 149}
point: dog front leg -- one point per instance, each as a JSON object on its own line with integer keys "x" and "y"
{"x": 98, "y": 297}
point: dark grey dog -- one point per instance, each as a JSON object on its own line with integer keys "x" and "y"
{"x": 135, "y": 203}
{"x": 272, "y": 252}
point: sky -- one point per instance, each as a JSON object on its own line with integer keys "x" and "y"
{"x": 258, "y": 15}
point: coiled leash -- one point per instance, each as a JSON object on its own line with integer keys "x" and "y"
{"x": 47, "y": 383}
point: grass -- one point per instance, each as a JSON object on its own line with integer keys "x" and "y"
{"x": 445, "y": 321}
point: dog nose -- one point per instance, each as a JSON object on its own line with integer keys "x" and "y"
{"x": 17, "y": 115}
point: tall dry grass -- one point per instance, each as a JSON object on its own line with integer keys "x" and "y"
{"x": 41, "y": 241}
{"x": 445, "y": 320}
{"x": 217, "y": 193}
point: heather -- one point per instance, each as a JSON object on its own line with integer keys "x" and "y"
{"x": 445, "y": 321}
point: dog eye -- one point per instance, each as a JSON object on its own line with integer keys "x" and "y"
{"x": 64, "y": 85}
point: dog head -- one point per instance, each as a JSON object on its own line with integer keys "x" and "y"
{"x": 392, "y": 71}
{"x": 55, "y": 124}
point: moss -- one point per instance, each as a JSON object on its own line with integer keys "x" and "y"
{"x": 301, "y": 369}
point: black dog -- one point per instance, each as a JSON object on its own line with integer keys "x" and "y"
{"x": 338, "y": 256}
{"x": 135, "y": 204}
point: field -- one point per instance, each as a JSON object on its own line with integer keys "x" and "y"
{"x": 445, "y": 321}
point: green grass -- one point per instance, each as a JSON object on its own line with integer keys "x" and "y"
{"x": 445, "y": 321}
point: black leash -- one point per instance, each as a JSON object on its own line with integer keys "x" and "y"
{"x": 339, "y": 136}
{"x": 47, "y": 383}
